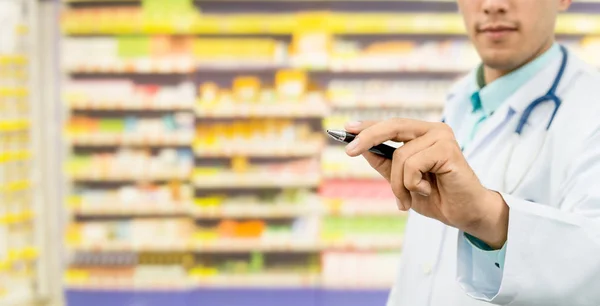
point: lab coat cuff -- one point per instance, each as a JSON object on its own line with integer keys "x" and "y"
{"x": 481, "y": 249}
{"x": 519, "y": 222}
{"x": 477, "y": 272}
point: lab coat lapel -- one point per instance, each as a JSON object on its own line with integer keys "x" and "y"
{"x": 520, "y": 151}
{"x": 526, "y": 150}
{"x": 493, "y": 128}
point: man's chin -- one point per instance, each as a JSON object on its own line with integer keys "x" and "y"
{"x": 499, "y": 59}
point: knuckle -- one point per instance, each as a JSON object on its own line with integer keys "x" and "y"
{"x": 396, "y": 124}
{"x": 400, "y": 155}
{"x": 410, "y": 166}
{"x": 366, "y": 135}
{"x": 409, "y": 183}
{"x": 444, "y": 130}
{"x": 450, "y": 145}
{"x": 396, "y": 120}
{"x": 438, "y": 134}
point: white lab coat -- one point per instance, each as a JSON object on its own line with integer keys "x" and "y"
{"x": 552, "y": 186}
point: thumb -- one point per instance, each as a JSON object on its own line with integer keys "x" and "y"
{"x": 379, "y": 163}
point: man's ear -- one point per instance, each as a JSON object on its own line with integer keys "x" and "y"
{"x": 564, "y": 5}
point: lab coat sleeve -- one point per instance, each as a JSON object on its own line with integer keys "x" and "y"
{"x": 552, "y": 254}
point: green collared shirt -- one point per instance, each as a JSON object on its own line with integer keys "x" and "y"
{"x": 488, "y": 98}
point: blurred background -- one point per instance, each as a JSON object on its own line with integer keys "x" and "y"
{"x": 172, "y": 152}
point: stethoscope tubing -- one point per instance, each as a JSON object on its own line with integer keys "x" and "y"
{"x": 549, "y": 96}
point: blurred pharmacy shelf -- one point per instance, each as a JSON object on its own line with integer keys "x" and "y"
{"x": 281, "y": 109}
{"x": 245, "y": 246}
{"x": 132, "y": 21}
{"x": 255, "y": 180}
{"x": 201, "y": 171}
{"x": 130, "y": 247}
{"x": 263, "y": 245}
{"x": 338, "y": 207}
{"x": 119, "y": 285}
{"x": 267, "y": 150}
{"x": 99, "y": 175}
{"x": 126, "y": 105}
{"x": 117, "y": 209}
{"x": 118, "y": 139}
{"x": 247, "y": 210}
{"x": 28, "y": 208}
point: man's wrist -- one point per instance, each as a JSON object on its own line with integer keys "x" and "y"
{"x": 492, "y": 226}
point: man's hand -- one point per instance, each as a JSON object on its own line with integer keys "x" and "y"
{"x": 430, "y": 175}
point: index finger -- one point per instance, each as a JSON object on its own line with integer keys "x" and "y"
{"x": 397, "y": 129}
{"x": 357, "y": 126}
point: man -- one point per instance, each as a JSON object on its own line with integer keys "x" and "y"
{"x": 504, "y": 197}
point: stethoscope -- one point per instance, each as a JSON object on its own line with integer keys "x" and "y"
{"x": 549, "y": 96}
{"x": 529, "y": 151}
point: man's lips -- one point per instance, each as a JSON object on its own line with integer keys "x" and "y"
{"x": 496, "y": 28}
{"x": 496, "y": 32}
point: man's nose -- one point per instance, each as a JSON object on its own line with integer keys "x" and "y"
{"x": 493, "y": 7}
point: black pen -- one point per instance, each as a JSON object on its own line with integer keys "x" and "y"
{"x": 381, "y": 149}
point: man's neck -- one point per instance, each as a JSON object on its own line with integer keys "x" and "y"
{"x": 491, "y": 74}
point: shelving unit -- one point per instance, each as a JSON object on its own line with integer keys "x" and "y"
{"x": 25, "y": 264}
{"x": 201, "y": 173}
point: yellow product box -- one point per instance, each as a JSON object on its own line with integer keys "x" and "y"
{"x": 240, "y": 164}
{"x": 216, "y": 200}
{"x": 205, "y": 171}
{"x": 245, "y": 24}
{"x": 73, "y": 234}
{"x": 234, "y": 49}
{"x": 201, "y": 271}
{"x": 29, "y": 253}
{"x": 209, "y": 93}
{"x": 246, "y": 88}
{"x": 205, "y": 236}
{"x": 291, "y": 84}
{"x": 73, "y": 276}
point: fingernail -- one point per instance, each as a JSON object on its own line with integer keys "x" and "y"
{"x": 353, "y": 124}
{"x": 352, "y": 145}
{"x": 399, "y": 204}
